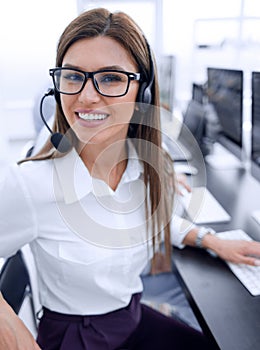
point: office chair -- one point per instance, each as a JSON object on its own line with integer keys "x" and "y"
{"x": 194, "y": 119}
{"x": 14, "y": 281}
{"x": 16, "y": 287}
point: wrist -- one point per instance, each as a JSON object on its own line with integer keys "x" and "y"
{"x": 202, "y": 239}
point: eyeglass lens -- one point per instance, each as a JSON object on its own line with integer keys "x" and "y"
{"x": 107, "y": 83}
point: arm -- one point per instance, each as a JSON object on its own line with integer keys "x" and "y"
{"x": 19, "y": 225}
{"x": 13, "y": 333}
{"x": 236, "y": 251}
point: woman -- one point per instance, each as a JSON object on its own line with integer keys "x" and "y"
{"x": 96, "y": 209}
{"x": 90, "y": 241}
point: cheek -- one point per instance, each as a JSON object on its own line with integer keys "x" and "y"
{"x": 125, "y": 109}
{"x": 66, "y": 102}
{"x": 124, "y": 112}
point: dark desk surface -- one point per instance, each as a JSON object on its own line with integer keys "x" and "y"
{"x": 225, "y": 309}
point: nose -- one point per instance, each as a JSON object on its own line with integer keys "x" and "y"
{"x": 89, "y": 92}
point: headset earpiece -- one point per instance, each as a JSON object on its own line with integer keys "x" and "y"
{"x": 145, "y": 95}
{"x": 145, "y": 89}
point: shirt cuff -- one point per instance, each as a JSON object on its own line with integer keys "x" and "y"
{"x": 179, "y": 229}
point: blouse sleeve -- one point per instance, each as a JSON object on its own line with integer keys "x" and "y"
{"x": 17, "y": 215}
{"x": 179, "y": 229}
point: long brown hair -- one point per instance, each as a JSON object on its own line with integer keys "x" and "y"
{"x": 143, "y": 126}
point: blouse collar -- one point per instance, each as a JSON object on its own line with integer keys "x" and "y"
{"x": 76, "y": 182}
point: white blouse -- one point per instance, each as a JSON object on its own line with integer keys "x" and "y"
{"x": 88, "y": 241}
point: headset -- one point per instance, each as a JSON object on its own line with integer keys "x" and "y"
{"x": 61, "y": 142}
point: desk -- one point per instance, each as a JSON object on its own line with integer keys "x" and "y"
{"x": 225, "y": 310}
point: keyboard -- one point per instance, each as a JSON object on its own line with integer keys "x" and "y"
{"x": 248, "y": 275}
{"x": 222, "y": 158}
{"x": 202, "y": 207}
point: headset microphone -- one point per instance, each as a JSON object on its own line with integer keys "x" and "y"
{"x": 59, "y": 141}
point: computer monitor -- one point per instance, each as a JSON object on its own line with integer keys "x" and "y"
{"x": 225, "y": 93}
{"x": 198, "y": 93}
{"x": 255, "y": 150}
{"x": 166, "y": 75}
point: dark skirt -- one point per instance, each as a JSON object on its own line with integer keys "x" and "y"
{"x": 136, "y": 327}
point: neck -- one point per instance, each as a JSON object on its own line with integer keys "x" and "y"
{"x": 106, "y": 162}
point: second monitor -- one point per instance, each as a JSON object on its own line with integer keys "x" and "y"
{"x": 225, "y": 94}
{"x": 255, "y": 154}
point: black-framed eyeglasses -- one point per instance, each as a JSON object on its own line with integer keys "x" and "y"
{"x": 110, "y": 83}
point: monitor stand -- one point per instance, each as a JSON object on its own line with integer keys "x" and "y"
{"x": 221, "y": 158}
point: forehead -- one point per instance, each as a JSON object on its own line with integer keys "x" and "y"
{"x": 99, "y": 52}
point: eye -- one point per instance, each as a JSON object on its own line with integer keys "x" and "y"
{"x": 73, "y": 77}
{"x": 111, "y": 77}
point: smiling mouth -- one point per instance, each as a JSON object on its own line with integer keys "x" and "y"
{"x": 92, "y": 116}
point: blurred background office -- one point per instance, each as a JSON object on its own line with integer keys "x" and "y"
{"x": 194, "y": 34}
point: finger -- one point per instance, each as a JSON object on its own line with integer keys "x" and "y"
{"x": 187, "y": 186}
{"x": 182, "y": 180}
{"x": 183, "y": 187}
{"x": 253, "y": 248}
{"x": 249, "y": 261}
{"x": 257, "y": 262}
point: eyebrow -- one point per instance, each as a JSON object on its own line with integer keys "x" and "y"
{"x": 114, "y": 67}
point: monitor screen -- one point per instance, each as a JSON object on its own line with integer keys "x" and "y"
{"x": 166, "y": 75}
{"x": 225, "y": 93}
{"x": 256, "y": 117}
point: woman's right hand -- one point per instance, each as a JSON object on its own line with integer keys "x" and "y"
{"x": 182, "y": 182}
{"x": 13, "y": 333}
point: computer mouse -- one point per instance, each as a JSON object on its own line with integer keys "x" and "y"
{"x": 185, "y": 168}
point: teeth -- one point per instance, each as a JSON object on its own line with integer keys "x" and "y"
{"x": 90, "y": 116}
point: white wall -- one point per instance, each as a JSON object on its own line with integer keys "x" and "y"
{"x": 29, "y": 31}
{"x": 182, "y": 31}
